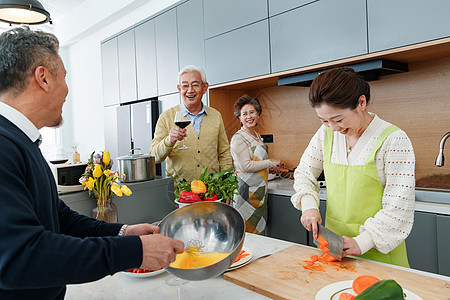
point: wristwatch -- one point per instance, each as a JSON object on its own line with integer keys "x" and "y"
{"x": 122, "y": 230}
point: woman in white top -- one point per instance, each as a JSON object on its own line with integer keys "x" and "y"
{"x": 251, "y": 164}
{"x": 369, "y": 171}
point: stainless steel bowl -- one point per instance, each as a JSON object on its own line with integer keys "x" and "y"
{"x": 218, "y": 226}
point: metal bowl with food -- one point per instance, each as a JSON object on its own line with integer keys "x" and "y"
{"x": 218, "y": 227}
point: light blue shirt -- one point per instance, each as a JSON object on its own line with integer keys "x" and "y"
{"x": 196, "y": 120}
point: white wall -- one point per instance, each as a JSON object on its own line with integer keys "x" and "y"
{"x": 80, "y": 37}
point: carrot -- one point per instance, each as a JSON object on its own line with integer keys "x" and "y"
{"x": 308, "y": 262}
{"x": 241, "y": 255}
{"x": 363, "y": 282}
{"x": 318, "y": 268}
{"x": 314, "y": 258}
{"x": 308, "y": 267}
{"x": 346, "y": 296}
{"x": 322, "y": 240}
{"x": 328, "y": 257}
{"x": 323, "y": 248}
{"x": 324, "y": 261}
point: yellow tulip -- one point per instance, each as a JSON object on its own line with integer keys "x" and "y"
{"x": 116, "y": 189}
{"x": 97, "y": 171}
{"x": 106, "y": 157}
{"x": 107, "y": 172}
{"x": 126, "y": 190}
{"x": 90, "y": 183}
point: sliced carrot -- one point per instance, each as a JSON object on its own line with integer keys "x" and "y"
{"x": 322, "y": 240}
{"x": 308, "y": 262}
{"x": 308, "y": 267}
{"x": 346, "y": 296}
{"x": 314, "y": 258}
{"x": 241, "y": 255}
{"x": 324, "y": 261}
{"x": 363, "y": 282}
{"x": 318, "y": 268}
{"x": 328, "y": 257}
{"x": 323, "y": 248}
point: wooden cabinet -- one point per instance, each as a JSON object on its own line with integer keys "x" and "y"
{"x": 223, "y": 16}
{"x": 322, "y": 31}
{"x": 241, "y": 53}
{"x": 397, "y": 23}
{"x": 110, "y": 72}
{"x": 191, "y": 41}
{"x": 167, "y": 52}
{"x": 276, "y": 6}
{"x": 147, "y": 83}
{"x": 443, "y": 244}
{"x": 127, "y": 66}
{"x": 283, "y": 220}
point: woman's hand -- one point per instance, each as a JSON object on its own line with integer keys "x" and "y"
{"x": 350, "y": 247}
{"x": 310, "y": 218}
{"x": 276, "y": 169}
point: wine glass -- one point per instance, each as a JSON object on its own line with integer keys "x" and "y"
{"x": 182, "y": 121}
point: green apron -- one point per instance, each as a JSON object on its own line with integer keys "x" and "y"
{"x": 354, "y": 194}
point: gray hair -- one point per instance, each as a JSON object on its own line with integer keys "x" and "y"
{"x": 22, "y": 50}
{"x": 192, "y": 68}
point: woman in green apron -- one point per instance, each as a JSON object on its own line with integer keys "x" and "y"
{"x": 251, "y": 163}
{"x": 369, "y": 171}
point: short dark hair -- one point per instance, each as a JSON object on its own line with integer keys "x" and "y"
{"x": 244, "y": 100}
{"x": 22, "y": 50}
{"x": 340, "y": 87}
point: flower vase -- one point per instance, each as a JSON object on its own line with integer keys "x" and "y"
{"x": 105, "y": 210}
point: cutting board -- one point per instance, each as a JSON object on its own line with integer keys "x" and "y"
{"x": 282, "y": 276}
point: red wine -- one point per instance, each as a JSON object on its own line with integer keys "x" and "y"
{"x": 59, "y": 161}
{"x": 182, "y": 124}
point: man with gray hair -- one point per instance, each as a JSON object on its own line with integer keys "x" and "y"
{"x": 206, "y": 138}
{"x": 45, "y": 245}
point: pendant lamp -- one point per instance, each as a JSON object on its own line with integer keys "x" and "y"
{"x": 23, "y": 12}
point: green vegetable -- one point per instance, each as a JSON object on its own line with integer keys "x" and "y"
{"x": 382, "y": 290}
{"x": 224, "y": 184}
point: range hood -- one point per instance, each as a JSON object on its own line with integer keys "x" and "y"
{"x": 370, "y": 70}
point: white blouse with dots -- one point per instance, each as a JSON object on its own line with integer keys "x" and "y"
{"x": 395, "y": 164}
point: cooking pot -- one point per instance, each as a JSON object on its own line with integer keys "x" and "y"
{"x": 137, "y": 166}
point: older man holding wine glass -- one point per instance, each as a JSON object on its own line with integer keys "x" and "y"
{"x": 186, "y": 149}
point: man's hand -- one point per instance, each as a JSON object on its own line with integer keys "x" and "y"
{"x": 158, "y": 251}
{"x": 310, "y": 218}
{"x": 177, "y": 134}
{"x": 141, "y": 229}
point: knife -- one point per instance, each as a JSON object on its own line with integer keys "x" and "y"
{"x": 336, "y": 242}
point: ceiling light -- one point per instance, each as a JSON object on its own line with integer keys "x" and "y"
{"x": 23, "y": 12}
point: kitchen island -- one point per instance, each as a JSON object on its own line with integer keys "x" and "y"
{"x": 121, "y": 286}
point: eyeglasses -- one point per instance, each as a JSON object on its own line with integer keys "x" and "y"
{"x": 195, "y": 86}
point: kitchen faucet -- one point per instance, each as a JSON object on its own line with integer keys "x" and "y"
{"x": 440, "y": 156}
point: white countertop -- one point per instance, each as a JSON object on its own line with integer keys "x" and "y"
{"x": 121, "y": 286}
{"x": 436, "y": 202}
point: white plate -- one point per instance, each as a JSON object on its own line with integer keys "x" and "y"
{"x": 334, "y": 290}
{"x": 243, "y": 261}
{"x": 141, "y": 275}
{"x": 177, "y": 202}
